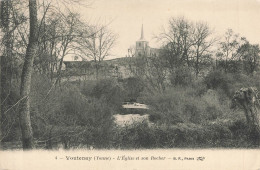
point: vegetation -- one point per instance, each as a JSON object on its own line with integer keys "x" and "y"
{"x": 189, "y": 85}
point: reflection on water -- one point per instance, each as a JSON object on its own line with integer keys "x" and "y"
{"x": 128, "y": 119}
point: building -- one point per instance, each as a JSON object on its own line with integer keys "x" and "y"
{"x": 120, "y": 67}
{"x": 142, "y": 47}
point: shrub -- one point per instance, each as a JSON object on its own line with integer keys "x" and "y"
{"x": 182, "y": 105}
{"x": 10, "y": 95}
{"x": 133, "y": 87}
{"x": 108, "y": 90}
{"x": 183, "y": 135}
{"x": 153, "y": 117}
{"x": 93, "y": 117}
{"x": 181, "y": 76}
{"x": 66, "y": 115}
{"x": 242, "y": 133}
{"x": 219, "y": 80}
{"x": 227, "y": 83}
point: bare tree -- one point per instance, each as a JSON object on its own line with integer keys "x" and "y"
{"x": 136, "y": 65}
{"x": 6, "y": 56}
{"x": 5, "y": 26}
{"x": 11, "y": 22}
{"x": 36, "y": 46}
{"x": 177, "y": 42}
{"x": 68, "y": 38}
{"x": 97, "y": 46}
{"x": 24, "y": 116}
{"x": 156, "y": 73}
{"x": 186, "y": 44}
{"x": 228, "y": 47}
{"x": 58, "y": 39}
{"x": 201, "y": 45}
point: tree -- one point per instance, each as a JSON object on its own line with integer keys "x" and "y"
{"x": 7, "y": 63}
{"x": 228, "y": 47}
{"x": 24, "y": 116}
{"x": 156, "y": 73}
{"x": 137, "y": 65}
{"x": 5, "y": 15}
{"x": 186, "y": 44}
{"x": 68, "y": 38}
{"x": 201, "y": 45}
{"x": 177, "y": 42}
{"x": 248, "y": 100}
{"x": 28, "y": 47}
{"x": 250, "y": 55}
{"x": 13, "y": 43}
{"x": 97, "y": 45}
{"x": 59, "y": 34}
{"x": 58, "y": 38}
{"x": 149, "y": 68}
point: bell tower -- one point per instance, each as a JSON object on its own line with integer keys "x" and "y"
{"x": 142, "y": 45}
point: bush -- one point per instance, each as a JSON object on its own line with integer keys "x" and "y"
{"x": 227, "y": 83}
{"x": 108, "y": 90}
{"x": 219, "y": 80}
{"x": 181, "y": 76}
{"x": 183, "y": 135}
{"x": 93, "y": 117}
{"x": 183, "y": 105}
{"x": 242, "y": 133}
{"x": 133, "y": 87}
{"x": 9, "y": 124}
{"x": 66, "y": 115}
{"x": 153, "y": 117}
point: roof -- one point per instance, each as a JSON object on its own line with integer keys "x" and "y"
{"x": 142, "y": 34}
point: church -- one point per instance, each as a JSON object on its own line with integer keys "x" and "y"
{"x": 142, "y": 47}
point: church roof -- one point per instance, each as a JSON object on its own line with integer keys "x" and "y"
{"x": 142, "y": 34}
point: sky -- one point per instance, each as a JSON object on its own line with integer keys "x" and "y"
{"x": 125, "y": 18}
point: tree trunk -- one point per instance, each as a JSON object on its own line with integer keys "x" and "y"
{"x": 248, "y": 99}
{"x": 97, "y": 71}
{"x": 24, "y": 116}
{"x": 197, "y": 65}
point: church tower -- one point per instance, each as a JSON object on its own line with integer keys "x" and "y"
{"x": 142, "y": 46}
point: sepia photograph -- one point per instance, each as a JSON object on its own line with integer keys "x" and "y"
{"x": 130, "y": 84}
